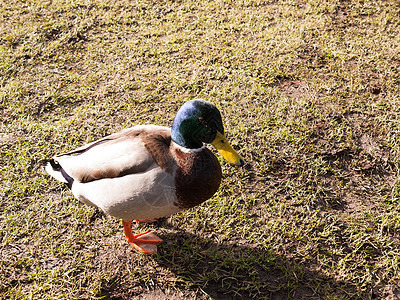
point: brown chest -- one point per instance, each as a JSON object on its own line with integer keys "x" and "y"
{"x": 197, "y": 178}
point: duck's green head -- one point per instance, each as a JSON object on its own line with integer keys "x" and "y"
{"x": 198, "y": 122}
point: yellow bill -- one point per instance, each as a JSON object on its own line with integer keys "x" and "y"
{"x": 225, "y": 149}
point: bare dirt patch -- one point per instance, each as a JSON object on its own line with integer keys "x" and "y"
{"x": 296, "y": 89}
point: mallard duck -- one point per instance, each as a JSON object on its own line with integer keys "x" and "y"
{"x": 147, "y": 172}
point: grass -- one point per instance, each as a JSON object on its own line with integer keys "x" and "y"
{"x": 309, "y": 91}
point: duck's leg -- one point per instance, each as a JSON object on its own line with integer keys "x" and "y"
{"x": 144, "y": 242}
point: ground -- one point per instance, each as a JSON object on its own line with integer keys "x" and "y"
{"x": 309, "y": 93}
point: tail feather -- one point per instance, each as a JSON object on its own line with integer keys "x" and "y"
{"x": 56, "y": 171}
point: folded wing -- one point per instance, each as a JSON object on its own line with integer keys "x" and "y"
{"x": 114, "y": 156}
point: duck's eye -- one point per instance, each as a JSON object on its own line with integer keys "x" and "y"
{"x": 222, "y": 142}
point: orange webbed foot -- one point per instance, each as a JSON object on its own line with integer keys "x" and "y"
{"x": 144, "y": 242}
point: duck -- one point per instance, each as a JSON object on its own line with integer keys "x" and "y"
{"x": 147, "y": 172}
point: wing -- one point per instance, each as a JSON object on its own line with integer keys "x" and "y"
{"x": 132, "y": 150}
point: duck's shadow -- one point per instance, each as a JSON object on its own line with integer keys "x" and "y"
{"x": 234, "y": 270}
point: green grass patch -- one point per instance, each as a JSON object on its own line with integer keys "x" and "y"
{"x": 309, "y": 92}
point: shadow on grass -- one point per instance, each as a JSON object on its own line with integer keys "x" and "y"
{"x": 232, "y": 271}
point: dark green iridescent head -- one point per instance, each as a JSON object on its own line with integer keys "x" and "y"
{"x": 196, "y": 122}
